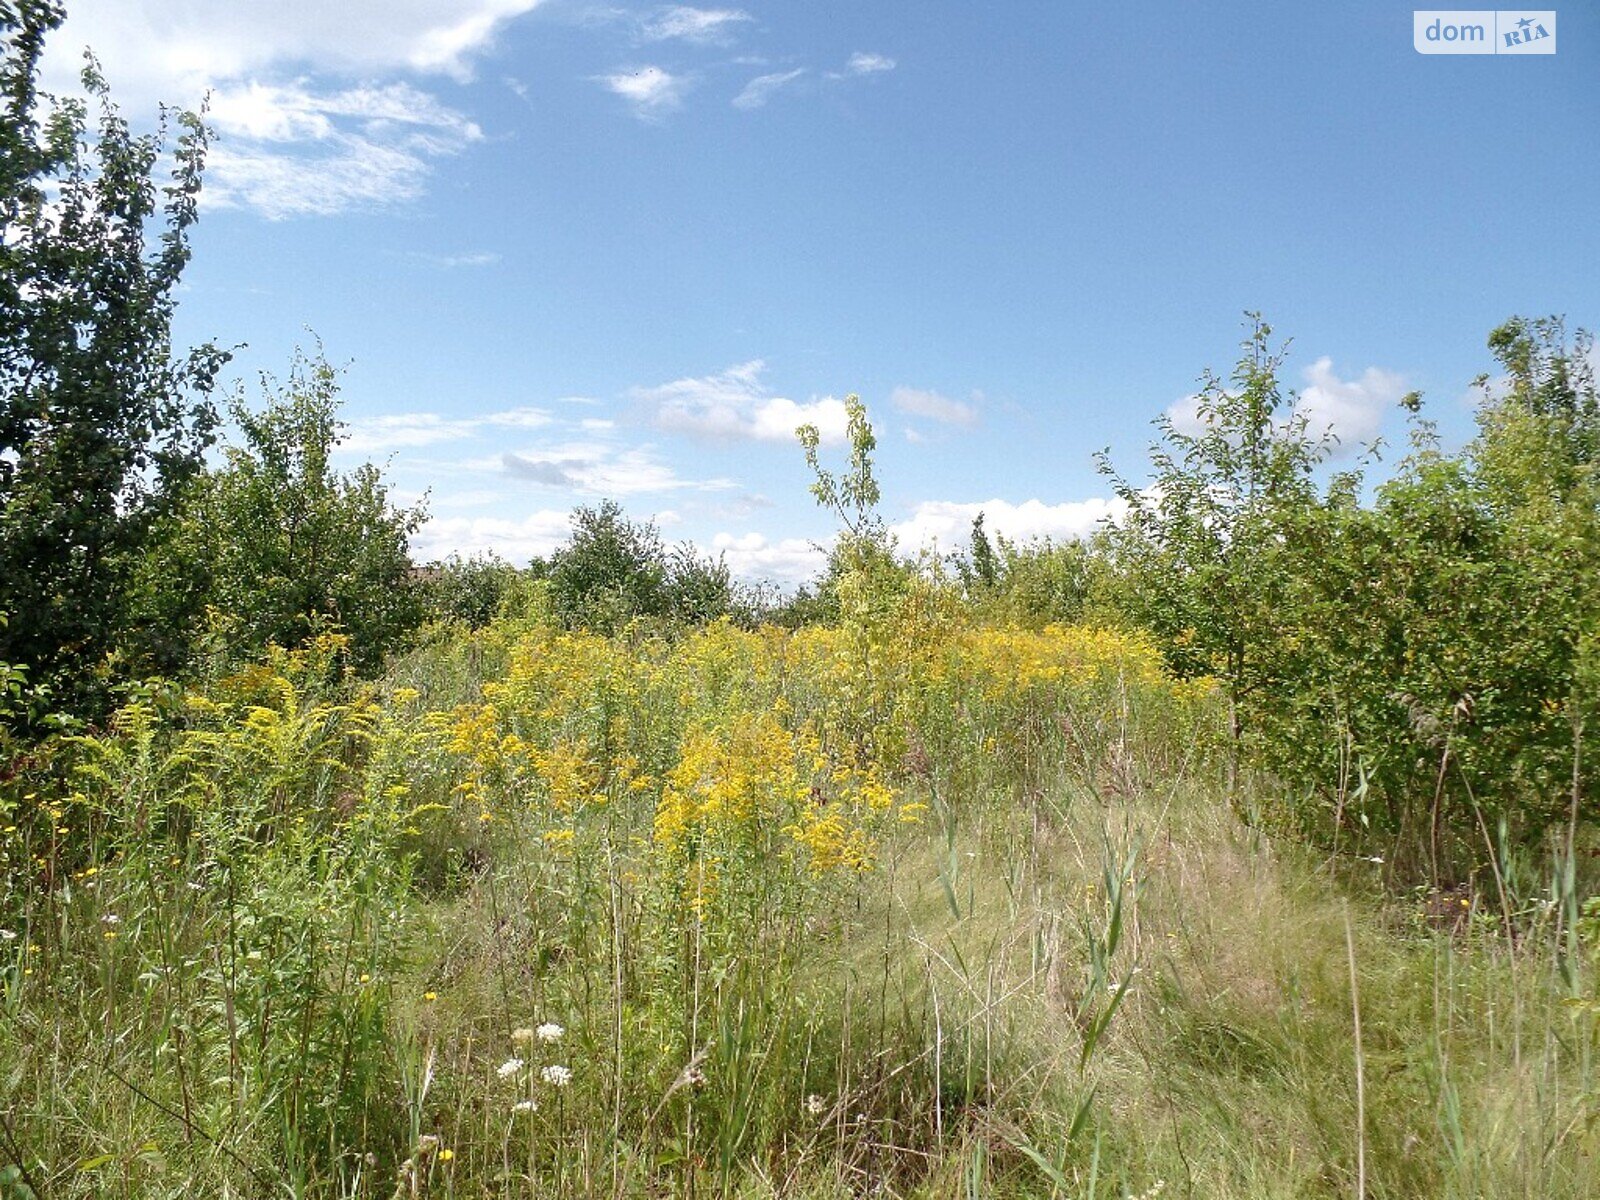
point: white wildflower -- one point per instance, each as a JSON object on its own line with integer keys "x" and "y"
{"x": 549, "y": 1033}
{"x": 524, "y": 1106}
{"x": 509, "y": 1068}
{"x": 815, "y": 1105}
{"x": 521, "y": 1036}
{"x": 7, "y": 936}
{"x": 556, "y": 1076}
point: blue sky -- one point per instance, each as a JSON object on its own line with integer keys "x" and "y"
{"x": 572, "y": 250}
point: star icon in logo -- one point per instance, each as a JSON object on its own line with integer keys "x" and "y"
{"x": 1524, "y": 23}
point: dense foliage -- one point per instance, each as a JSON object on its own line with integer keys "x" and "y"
{"x": 1419, "y": 671}
{"x": 614, "y": 571}
{"x": 100, "y": 424}
{"x": 276, "y": 545}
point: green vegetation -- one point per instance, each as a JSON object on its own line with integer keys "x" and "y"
{"x": 1244, "y": 850}
{"x": 278, "y": 546}
{"x": 100, "y": 425}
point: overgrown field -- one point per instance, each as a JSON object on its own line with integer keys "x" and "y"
{"x": 908, "y": 908}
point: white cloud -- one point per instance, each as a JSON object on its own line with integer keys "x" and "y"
{"x": 291, "y": 112}
{"x": 597, "y": 469}
{"x": 735, "y": 405}
{"x": 295, "y": 138}
{"x": 650, "y": 90}
{"x": 868, "y": 64}
{"x": 760, "y": 89}
{"x": 1184, "y": 414}
{"x": 933, "y": 406}
{"x": 399, "y": 431}
{"x": 752, "y": 556}
{"x": 516, "y": 541}
{"x": 1351, "y": 409}
{"x": 450, "y": 262}
{"x": 289, "y": 151}
{"x": 173, "y": 49}
{"x": 693, "y": 24}
{"x": 525, "y": 417}
{"x": 946, "y": 525}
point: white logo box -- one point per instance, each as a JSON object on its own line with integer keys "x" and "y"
{"x": 1484, "y": 31}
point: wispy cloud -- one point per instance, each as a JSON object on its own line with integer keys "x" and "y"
{"x": 868, "y": 64}
{"x": 598, "y": 468}
{"x": 157, "y": 50}
{"x": 761, "y": 89}
{"x": 288, "y": 150}
{"x": 933, "y": 406}
{"x": 704, "y": 25}
{"x": 402, "y": 431}
{"x": 651, "y": 91}
{"x": 297, "y": 140}
{"x": 450, "y": 262}
{"x": 735, "y": 405}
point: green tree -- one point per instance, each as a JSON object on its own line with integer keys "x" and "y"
{"x": 1418, "y": 674}
{"x": 699, "y": 588}
{"x": 979, "y": 571}
{"x": 1209, "y": 553}
{"x": 281, "y": 544}
{"x": 472, "y": 591}
{"x": 853, "y": 496}
{"x": 610, "y": 572}
{"x": 100, "y": 425}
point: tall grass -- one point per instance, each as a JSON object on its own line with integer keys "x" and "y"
{"x": 923, "y": 909}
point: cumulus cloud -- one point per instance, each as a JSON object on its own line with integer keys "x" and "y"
{"x": 650, "y": 90}
{"x": 761, "y": 89}
{"x": 1351, "y": 409}
{"x": 516, "y": 541}
{"x": 735, "y": 405}
{"x": 296, "y": 138}
{"x": 703, "y": 25}
{"x": 752, "y": 556}
{"x": 945, "y": 525}
{"x": 933, "y": 406}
